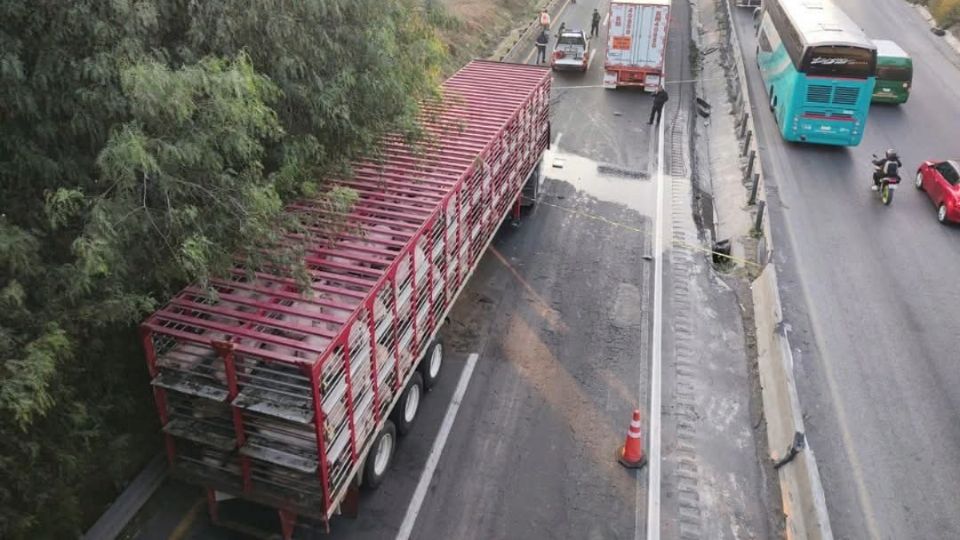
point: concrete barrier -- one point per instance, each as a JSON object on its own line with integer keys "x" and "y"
{"x": 780, "y": 400}
{"x": 801, "y": 490}
{"x": 119, "y": 514}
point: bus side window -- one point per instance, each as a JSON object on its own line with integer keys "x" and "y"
{"x": 764, "y": 42}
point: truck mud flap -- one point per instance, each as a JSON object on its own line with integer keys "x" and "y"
{"x": 610, "y": 79}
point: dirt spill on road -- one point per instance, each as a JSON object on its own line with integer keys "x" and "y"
{"x": 596, "y": 437}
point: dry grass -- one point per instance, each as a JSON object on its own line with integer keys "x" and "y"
{"x": 946, "y": 12}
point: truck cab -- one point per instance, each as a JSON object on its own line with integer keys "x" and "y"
{"x": 572, "y": 51}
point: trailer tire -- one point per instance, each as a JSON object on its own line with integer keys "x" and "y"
{"x": 380, "y": 456}
{"x": 431, "y": 364}
{"x": 405, "y": 412}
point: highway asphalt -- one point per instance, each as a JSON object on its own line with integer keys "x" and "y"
{"x": 871, "y": 296}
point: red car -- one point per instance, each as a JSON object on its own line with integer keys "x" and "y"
{"x": 941, "y": 181}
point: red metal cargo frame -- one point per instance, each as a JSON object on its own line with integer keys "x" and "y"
{"x": 275, "y": 397}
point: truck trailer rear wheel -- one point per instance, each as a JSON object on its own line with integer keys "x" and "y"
{"x": 407, "y": 408}
{"x": 431, "y": 364}
{"x": 380, "y": 456}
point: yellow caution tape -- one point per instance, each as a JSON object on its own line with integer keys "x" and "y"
{"x": 678, "y": 243}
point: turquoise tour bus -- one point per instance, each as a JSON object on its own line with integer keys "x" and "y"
{"x": 819, "y": 69}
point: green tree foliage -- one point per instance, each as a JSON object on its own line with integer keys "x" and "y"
{"x": 143, "y": 144}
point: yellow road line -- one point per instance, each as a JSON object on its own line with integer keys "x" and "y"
{"x": 186, "y": 523}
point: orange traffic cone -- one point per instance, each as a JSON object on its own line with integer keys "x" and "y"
{"x": 631, "y": 455}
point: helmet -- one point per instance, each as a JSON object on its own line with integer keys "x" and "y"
{"x": 891, "y": 153}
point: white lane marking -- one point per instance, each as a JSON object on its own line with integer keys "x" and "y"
{"x": 556, "y": 142}
{"x": 530, "y": 56}
{"x": 656, "y": 342}
{"x": 426, "y": 477}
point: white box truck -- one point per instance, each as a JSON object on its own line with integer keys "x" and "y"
{"x": 636, "y": 43}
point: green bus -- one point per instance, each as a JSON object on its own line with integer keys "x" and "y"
{"x": 894, "y": 73}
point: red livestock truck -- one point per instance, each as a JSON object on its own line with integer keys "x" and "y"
{"x": 292, "y": 401}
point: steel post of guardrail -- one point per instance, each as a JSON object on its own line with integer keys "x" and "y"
{"x": 753, "y": 189}
{"x": 743, "y": 124}
{"x": 750, "y": 159}
{"x": 746, "y": 143}
{"x": 758, "y": 224}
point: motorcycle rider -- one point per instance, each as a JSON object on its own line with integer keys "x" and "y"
{"x": 887, "y": 166}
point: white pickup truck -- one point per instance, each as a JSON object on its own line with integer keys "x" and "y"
{"x": 571, "y": 52}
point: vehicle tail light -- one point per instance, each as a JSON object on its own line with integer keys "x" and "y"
{"x": 559, "y": 54}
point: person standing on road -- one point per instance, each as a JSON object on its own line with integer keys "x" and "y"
{"x": 563, "y": 26}
{"x": 660, "y": 98}
{"x": 544, "y": 20}
{"x": 542, "y": 41}
{"x": 595, "y": 23}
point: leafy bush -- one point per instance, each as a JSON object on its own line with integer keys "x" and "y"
{"x": 142, "y": 144}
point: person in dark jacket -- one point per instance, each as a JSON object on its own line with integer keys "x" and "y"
{"x": 660, "y": 98}
{"x": 563, "y": 27}
{"x": 887, "y": 166}
{"x": 595, "y": 23}
{"x": 542, "y": 41}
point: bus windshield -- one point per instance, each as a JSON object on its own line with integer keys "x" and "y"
{"x": 839, "y": 61}
{"x": 894, "y": 73}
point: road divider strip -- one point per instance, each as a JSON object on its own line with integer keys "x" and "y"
{"x": 801, "y": 489}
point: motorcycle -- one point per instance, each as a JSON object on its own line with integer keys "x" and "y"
{"x": 886, "y": 186}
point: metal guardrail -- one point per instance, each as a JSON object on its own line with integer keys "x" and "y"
{"x": 527, "y": 35}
